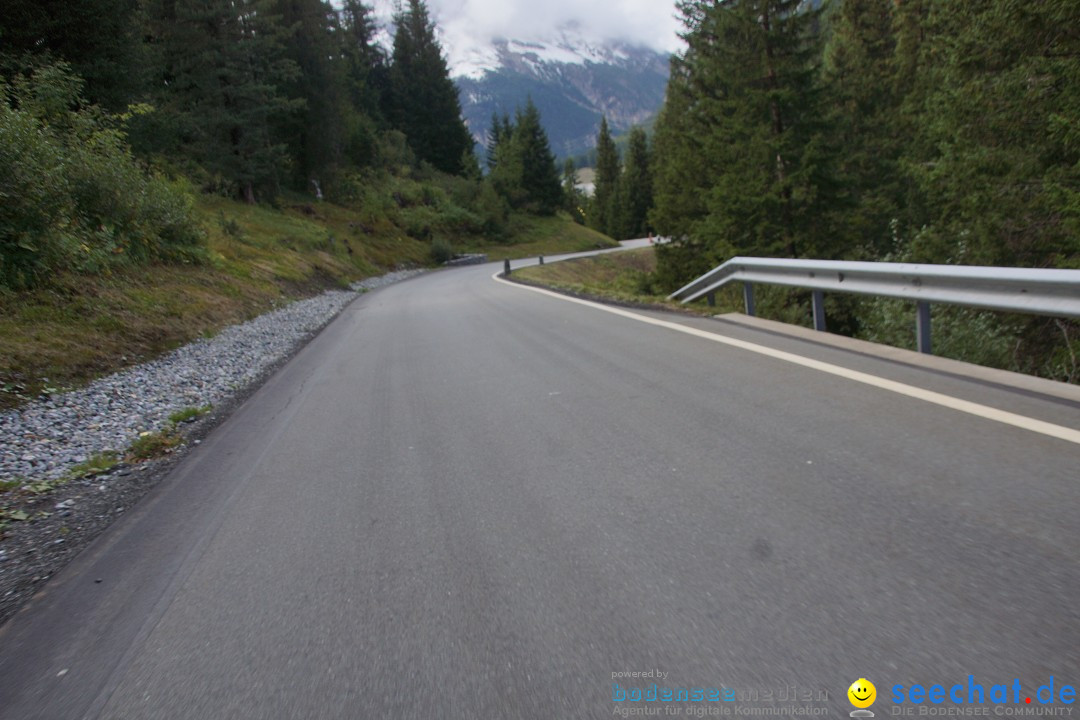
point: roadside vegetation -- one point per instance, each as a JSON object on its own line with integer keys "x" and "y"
{"x": 158, "y": 185}
{"x": 622, "y": 277}
{"x": 80, "y": 326}
{"x": 922, "y": 131}
{"x": 630, "y": 278}
{"x": 554, "y": 235}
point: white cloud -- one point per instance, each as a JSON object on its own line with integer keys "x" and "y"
{"x": 468, "y": 25}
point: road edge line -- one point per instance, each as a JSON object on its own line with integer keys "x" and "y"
{"x": 986, "y": 412}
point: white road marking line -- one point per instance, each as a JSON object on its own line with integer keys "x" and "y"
{"x": 971, "y": 408}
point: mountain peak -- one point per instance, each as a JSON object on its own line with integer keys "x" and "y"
{"x": 568, "y": 45}
{"x": 573, "y": 79}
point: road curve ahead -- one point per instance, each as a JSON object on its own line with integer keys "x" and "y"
{"x": 466, "y": 499}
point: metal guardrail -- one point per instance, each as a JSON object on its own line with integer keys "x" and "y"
{"x": 1033, "y": 291}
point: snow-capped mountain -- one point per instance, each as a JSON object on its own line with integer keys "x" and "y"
{"x": 568, "y": 45}
{"x": 572, "y": 79}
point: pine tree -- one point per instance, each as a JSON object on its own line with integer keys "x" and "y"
{"x": 366, "y": 73}
{"x": 364, "y": 79}
{"x": 909, "y": 28}
{"x": 507, "y": 165}
{"x": 495, "y": 136}
{"x": 221, "y": 77}
{"x": 507, "y": 126}
{"x": 573, "y": 198}
{"x": 997, "y": 157}
{"x": 865, "y": 123}
{"x": 602, "y": 215}
{"x": 682, "y": 172}
{"x": 636, "y": 188}
{"x": 749, "y": 102}
{"x": 317, "y": 136}
{"x": 98, "y": 38}
{"x": 524, "y": 171}
{"x": 424, "y": 101}
{"x": 539, "y": 177}
{"x": 470, "y": 167}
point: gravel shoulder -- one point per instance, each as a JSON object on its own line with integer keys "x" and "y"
{"x": 47, "y": 438}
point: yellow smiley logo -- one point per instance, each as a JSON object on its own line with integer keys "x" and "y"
{"x": 862, "y": 693}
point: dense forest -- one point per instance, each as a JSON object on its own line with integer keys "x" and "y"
{"x": 114, "y": 113}
{"x": 904, "y": 130}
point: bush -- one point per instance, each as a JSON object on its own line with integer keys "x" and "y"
{"x": 72, "y": 197}
{"x": 34, "y": 200}
{"x": 494, "y": 213}
{"x": 441, "y": 251}
{"x": 976, "y": 336}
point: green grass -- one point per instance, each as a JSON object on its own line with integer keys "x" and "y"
{"x": 80, "y": 327}
{"x": 188, "y": 414}
{"x": 84, "y": 326}
{"x": 152, "y": 445}
{"x": 97, "y": 464}
{"x": 624, "y": 277}
{"x": 9, "y": 516}
{"x": 534, "y": 236}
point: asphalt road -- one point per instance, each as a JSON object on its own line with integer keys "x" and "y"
{"x": 469, "y": 500}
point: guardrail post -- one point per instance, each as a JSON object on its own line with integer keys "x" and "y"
{"x": 748, "y": 298}
{"x": 819, "y": 310}
{"x": 711, "y": 299}
{"x": 506, "y": 267}
{"x": 922, "y": 326}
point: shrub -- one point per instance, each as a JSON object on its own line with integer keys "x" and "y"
{"x": 441, "y": 251}
{"x": 72, "y": 197}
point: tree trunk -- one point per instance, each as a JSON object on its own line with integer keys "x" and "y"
{"x": 778, "y": 130}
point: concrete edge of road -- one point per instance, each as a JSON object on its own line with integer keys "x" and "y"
{"x": 959, "y": 368}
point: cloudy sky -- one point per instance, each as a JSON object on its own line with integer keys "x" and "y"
{"x": 468, "y": 24}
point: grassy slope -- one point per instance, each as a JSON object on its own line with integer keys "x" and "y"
{"x": 535, "y": 236}
{"x": 83, "y": 327}
{"x": 620, "y": 277}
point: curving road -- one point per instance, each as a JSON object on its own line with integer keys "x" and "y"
{"x": 466, "y": 499}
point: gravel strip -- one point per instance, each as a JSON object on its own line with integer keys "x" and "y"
{"x": 49, "y": 436}
{"x": 387, "y": 279}
{"x": 46, "y": 438}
